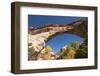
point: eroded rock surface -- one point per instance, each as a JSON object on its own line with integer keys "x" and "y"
{"x": 39, "y": 36}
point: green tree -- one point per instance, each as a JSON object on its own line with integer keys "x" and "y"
{"x": 82, "y": 51}
{"x": 47, "y": 54}
{"x": 69, "y": 53}
{"x": 75, "y": 45}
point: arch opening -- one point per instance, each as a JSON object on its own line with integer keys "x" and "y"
{"x": 62, "y": 40}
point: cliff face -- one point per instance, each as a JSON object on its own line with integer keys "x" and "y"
{"x": 38, "y": 46}
{"x": 38, "y": 37}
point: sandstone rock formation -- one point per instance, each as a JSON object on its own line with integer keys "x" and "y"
{"x": 39, "y": 36}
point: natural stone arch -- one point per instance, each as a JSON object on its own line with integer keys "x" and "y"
{"x": 40, "y": 36}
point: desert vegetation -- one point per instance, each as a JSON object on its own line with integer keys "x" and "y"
{"x": 75, "y": 50}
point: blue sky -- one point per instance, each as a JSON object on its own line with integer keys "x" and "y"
{"x": 58, "y": 41}
{"x": 39, "y": 20}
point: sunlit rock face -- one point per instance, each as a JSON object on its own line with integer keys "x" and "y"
{"x": 38, "y": 37}
{"x": 38, "y": 42}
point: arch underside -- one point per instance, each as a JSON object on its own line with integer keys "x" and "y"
{"x": 80, "y": 33}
